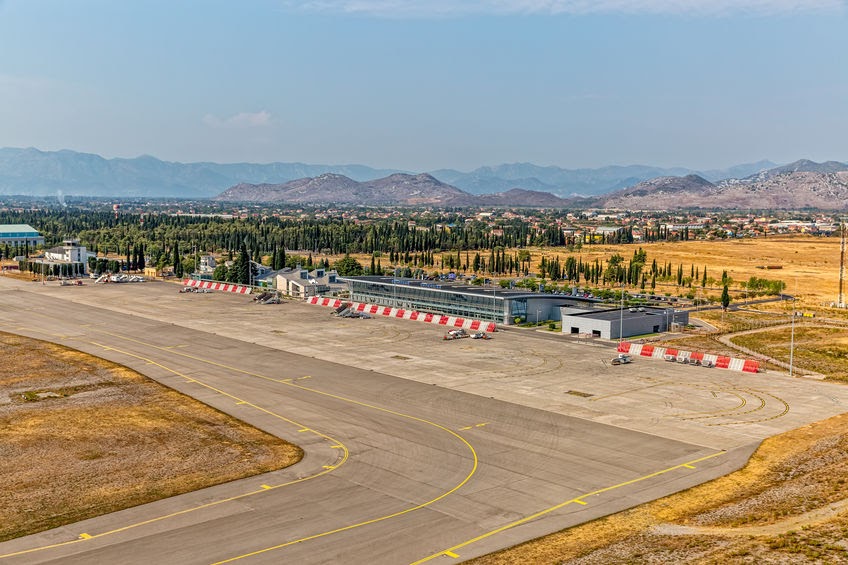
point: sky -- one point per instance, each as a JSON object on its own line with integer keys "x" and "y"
{"x": 421, "y": 85}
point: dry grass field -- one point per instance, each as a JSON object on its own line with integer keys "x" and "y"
{"x": 787, "y": 505}
{"x": 81, "y": 437}
{"x": 820, "y": 349}
{"x": 808, "y": 263}
{"x": 811, "y": 261}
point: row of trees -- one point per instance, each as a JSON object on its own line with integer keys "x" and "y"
{"x": 106, "y": 233}
{"x": 178, "y": 241}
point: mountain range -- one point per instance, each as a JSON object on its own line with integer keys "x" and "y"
{"x": 798, "y": 187}
{"x": 761, "y": 185}
{"x": 42, "y": 173}
{"x": 399, "y": 189}
{"x": 577, "y": 182}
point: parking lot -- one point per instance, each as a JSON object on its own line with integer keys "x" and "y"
{"x": 715, "y": 408}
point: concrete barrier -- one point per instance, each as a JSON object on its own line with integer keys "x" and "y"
{"x": 438, "y": 319}
{"x": 719, "y": 361}
{"x": 212, "y": 285}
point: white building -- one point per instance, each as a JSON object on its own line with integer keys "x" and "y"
{"x": 303, "y": 283}
{"x": 207, "y": 264}
{"x": 69, "y": 252}
{"x": 70, "y": 258}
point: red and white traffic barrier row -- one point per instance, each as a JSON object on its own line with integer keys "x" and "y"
{"x": 226, "y": 287}
{"x": 373, "y": 309}
{"x": 718, "y": 361}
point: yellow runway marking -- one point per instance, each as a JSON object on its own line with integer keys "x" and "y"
{"x": 451, "y": 554}
{"x": 742, "y": 402}
{"x": 84, "y": 537}
{"x": 576, "y": 500}
{"x": 473, "y": 452}
{"x": 474, "y": 426}
{"x": 344, "y": 399}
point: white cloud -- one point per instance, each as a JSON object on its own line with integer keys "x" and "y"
{"x": 242, "y": 120}
{"x": 448, "y": 8}
{"x": 9, "y": 83}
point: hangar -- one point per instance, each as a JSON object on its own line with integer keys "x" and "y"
{"x": 618, "y": 323}
{"x": 20, "y": 235}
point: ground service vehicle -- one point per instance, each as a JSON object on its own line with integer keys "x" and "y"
{"x": 622, "y": 359}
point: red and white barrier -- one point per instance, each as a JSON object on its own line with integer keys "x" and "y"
{"x": 719, "y": 361}
{"x": 226, "y": 287}
{"x": 373, "y": 309}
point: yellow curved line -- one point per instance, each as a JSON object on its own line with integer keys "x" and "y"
{"x": 730, "y": 413}
{"x": 344, "y": 399}
{"x": 577, "y": 500}
{"x": 724, "y": 411}
{"x": 344, "y": 458}
{"x": 381, "y": 518}
{"x": 775, "y": 417}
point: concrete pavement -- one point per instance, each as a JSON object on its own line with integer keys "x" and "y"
{"x": 408, "y": 456}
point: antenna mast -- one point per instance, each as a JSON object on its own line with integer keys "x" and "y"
{"x": 841, "y": 303}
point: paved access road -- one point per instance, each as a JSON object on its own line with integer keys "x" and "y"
{"x": 396, "y": 471}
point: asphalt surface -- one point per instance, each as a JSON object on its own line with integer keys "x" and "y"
{"x": 399, "y": 468}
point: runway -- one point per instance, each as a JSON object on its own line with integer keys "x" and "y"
{"x": 395, "y": 471}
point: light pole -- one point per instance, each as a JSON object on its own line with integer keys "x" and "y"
{"x": 792, "y": 339}
{"x": 621, "y": 317}
{"x": 792, "y": 334}
{"x": 249, "y": 265}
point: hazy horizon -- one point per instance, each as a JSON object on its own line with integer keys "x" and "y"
{"x": 420, "y": 86}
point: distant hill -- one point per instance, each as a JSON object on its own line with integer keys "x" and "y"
{"x": 768, "y": 191}
{"x": 44, "y": 173}
{"x": 807, "y": 166}
{"x": 398, "y": 189}
{"x": 41, "y": 173}
{"x": 576, "y": 182}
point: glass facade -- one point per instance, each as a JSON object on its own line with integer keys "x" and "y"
{"x": 436, "y": 298}
{"x": 20, "y": 235}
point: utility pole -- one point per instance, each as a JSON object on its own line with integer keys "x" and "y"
{"x": 841, "y": 301}
{"x": 792, "y": 335}
{"x": 621, "y": 317}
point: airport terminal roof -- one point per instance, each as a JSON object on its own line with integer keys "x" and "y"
{"x": 8, "y": 229}
{"x": 449, "y": 286}
{"x": 628, "y": 314}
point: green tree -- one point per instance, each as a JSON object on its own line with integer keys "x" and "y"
{"x": 348, "y": 266}
{"x": 239, "y": 272}
{"x": 176, "y": 261}
{"x": 725, "y": 298}
{"x": 220, "y": 273}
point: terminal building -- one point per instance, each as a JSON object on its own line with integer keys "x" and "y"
{"x": 69, "y": 259}
{"x": 619, "y": 323}
{"x": 503, "y": 306}
{"x": 20, "y": 235}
